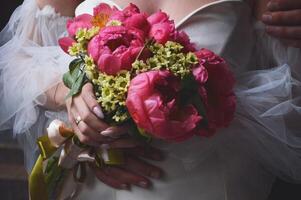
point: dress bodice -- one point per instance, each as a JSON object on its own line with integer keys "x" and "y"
{"x": 229, "y": 164}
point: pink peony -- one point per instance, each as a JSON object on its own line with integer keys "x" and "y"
{"x": 158, "y": 17}
{"x": 115, "y": 48}
{"x": 104, "y": 9}
{"x": 132, "y": 18}
{"x": 138, "y": 21}
{"x": 130, "y": 10}
{"x": 151, "y": 101}
{"x": 217, "y": 92}
{"x": 162, "y": 32}
{"x": 65, "y": 43}
{"x": 81, "y": 21}
{"x": 162, "y": 29}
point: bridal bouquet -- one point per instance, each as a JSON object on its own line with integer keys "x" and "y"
{"x": 147, "y": 73}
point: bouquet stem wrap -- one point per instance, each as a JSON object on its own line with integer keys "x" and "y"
{"x": 61, "y": 153}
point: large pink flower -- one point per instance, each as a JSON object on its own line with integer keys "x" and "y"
{"x": 217, "y": 90}
{"x": 115, "y": 48}
{"x": 65, "y": 43}
{"x": 104, "y": 9}
{"x": 81, "y": 21}
{"x": 132, "y": 18}
{"x": 152, "y": 103}
{"x": 162, "y": 29}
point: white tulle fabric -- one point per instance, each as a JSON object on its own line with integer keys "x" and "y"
{"x": 240, "y": 162}
{"x": 30, "y": 63}
{"x": 264, "y": 140}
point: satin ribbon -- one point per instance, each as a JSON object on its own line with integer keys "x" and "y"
{"x": 72, "y": 154}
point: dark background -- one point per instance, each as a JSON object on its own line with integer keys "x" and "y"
{"x": 13, "y": 184}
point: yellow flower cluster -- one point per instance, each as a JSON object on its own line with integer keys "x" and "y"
{"x": 83, "y": 36}
{"x": 169, "y": 56}
{"x": 76, "y": 49}
{"x": 111, "y": 93}
{"x": 90, "y": 68}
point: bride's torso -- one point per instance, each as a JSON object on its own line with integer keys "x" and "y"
{"x": 204, "y": 168}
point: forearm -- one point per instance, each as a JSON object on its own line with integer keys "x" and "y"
{"x": 55, "y": 97}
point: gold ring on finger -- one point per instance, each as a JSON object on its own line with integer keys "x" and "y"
{"x": 78, "y": 119}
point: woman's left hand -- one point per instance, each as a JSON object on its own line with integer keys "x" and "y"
{"x": 283, "y": 20}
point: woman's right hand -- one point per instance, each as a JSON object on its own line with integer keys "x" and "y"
{"x": 85, "y": 116}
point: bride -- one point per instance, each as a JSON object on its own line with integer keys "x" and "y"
{"x": 240, "y": 162}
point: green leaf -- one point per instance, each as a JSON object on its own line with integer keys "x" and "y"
{"x": 67, "y": 79}
{"x": 77, "y": 85}
{"x": 70, "y": 77}
{"x": 54, "y": 176}
{"x": 75, "y": 63}
{"x": 75, "y": 78}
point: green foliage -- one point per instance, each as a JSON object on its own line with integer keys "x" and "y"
{"x": 169, "y": 56}
{"x": 75, "y": 78}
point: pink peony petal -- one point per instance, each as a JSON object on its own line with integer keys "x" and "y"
{"x": 103, "y": 8}
{"x": 65, "y": 43}
{"x": 81, "y": 21}
{"x": 109, "y": 64}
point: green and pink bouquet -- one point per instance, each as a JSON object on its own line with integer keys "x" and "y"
{"x": 147, "y": 73}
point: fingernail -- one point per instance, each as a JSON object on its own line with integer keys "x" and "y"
{"x": 143, "y": 184}
{"x": 97, "y": 111}
{"x": 273, "y": 5}
{"x": 107, "y": 132}
{"x": 155, "y": 174}
{"x": 266, "y": 18}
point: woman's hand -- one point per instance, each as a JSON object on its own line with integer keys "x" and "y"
{"x": 85, "y": 116}
{"x": 134, "y": 171}
{"x": 283, "y": 20}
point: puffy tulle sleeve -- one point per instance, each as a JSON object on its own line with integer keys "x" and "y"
{"x": 30, "y": 63}
{"x": 269, "y": 105}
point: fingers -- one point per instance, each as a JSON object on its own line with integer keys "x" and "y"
{"x": 284, "y": 21}
{"x": 120, "y": 178}
{"x": 284, "y": 32}
{"x": 108, "y": 179}
{"x": 89, "y": 98}
{"x": 115, "y": 131}
{"x": 147, "y": 152}
{"x": 86, "y": 135}
{"x": 143, "y": 168}
{"x": 278, "y": 5}
{"x": 285, "y": 18}
{"x": 87, "y": 116}
{"x": 127, "y": 177}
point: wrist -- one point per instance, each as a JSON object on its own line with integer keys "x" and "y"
{"x": 60, "y": 93}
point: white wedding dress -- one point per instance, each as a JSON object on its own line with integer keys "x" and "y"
{"x": 238, "y": 163}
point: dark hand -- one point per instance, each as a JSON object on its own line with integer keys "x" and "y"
{"x": 283, "y": 20}
{"x": 135, "y": 171}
